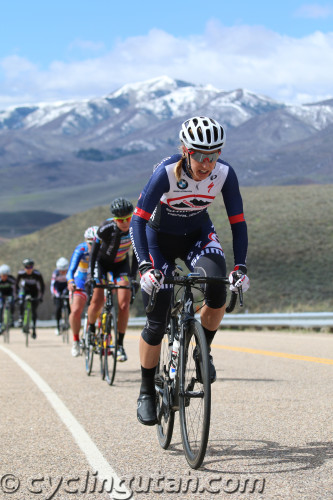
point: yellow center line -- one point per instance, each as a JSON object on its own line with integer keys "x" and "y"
{"x": 299, "y": 357}
{"x": 286, "y": 355}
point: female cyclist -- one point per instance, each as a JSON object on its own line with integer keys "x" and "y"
{"x": 171, "y": 221}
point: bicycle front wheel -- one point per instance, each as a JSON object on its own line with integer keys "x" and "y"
{"x": 165, "y": 414}
{"x": 26, "y": 323}
{"x": 195, "y": 395}
{"x": 111, "y": 347}
{"x": 7, "y": 319}
{"x": 65, "y": 325}
{"x": 88, "y": 346}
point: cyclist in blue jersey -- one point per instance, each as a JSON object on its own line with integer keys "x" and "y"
{"x": 110, "y": 254}
{"x": 76, "y": 280}
{"x": 171, "y": 221}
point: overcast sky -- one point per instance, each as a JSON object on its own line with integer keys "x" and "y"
{"x": 51, "y": 51}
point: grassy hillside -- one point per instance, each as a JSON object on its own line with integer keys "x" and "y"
{"x": 14, "y": 224}
{"x": 290, "y": 246}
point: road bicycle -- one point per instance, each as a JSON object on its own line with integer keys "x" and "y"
{"x": 7, "y": 317}
{"x": 27, "y": 316}
{"x": 64, "y": 319}
{"x": 182, "y": 379}
{"x": 104, "y": 342}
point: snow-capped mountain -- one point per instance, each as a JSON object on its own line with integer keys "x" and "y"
{"x": 79, "y": 143}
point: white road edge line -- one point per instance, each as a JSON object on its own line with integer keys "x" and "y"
{"x": 82, "y": 438}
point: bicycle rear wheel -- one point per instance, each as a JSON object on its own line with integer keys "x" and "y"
{"x": 111, "y": 347}
{"x": 195, "y": 395}
{"x": 165, "y": 414}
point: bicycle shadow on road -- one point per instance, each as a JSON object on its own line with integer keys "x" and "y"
{"x": 265, "y": 457}
{"x": 224, "y": 379}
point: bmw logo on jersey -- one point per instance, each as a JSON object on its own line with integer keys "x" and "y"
{"x": 199, "y": 195}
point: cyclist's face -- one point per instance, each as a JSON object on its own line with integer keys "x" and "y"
{"x": 123, "y": 224}
{"x": 4, "y": 277}
{"x": 201, "y": 170}
{"x": 29, "y": 270}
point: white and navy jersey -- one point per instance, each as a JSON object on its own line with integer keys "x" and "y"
{"x": 58, "y": 283}
{"x": 180, "y": 207}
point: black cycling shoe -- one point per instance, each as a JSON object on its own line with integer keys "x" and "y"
{"x": 33, "y": 335}
{"x": 146, "y": 411}
{"x": 212, "y": 371}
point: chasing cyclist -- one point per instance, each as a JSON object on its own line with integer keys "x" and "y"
{"x": 76, "y": 281}
{"x": 7, "y": 289}
{"x": 58, "y": 288}
{"x": 29, "y": 281}
{"x": 110, "y": 255}
{"x": 171, "y": 221}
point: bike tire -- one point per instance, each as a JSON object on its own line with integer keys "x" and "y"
{"x": 7, "y": 319}
{"x": 65, "y": 325}
{"x": 165, "y": 413}
{"x": 26, "y": 323}
{"x": 88, "y": 347}
{"x": 101, "y": 351}
{"x": 111, "y": 346}
{"x": 195, "y": 396}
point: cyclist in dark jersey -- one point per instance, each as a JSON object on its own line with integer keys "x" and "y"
{"x": 58, "y": 288}
{"x": 29, "y": 281}
{"x": 171, "y": 221}
{"x": 110, "y": 254}
{"x": 7, "y": 289}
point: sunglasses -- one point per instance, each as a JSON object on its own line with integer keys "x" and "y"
{"x": 28, "y": 267}
{"x": 200, "y": 157}
{"x": 123, "y": 219}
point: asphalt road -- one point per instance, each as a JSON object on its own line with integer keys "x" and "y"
{"x": 63, "y": 433}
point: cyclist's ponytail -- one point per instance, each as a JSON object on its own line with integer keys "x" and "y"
{"x": 178, "y": 168}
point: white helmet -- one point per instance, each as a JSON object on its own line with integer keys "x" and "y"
{"x": 201, "y": 132}
{"x": 62, "y": 264}
{"x": 90, "y": 233}
{"x": 4, "y": 269}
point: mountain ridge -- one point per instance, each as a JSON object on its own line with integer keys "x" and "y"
{"x": 116, "y": 139}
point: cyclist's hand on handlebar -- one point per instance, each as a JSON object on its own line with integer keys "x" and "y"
{"x": 238, "y": 278}
{"x": 71, "y": 285}
{"x": 152, "y": 278}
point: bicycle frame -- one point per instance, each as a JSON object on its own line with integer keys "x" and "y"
{"x": 108, "y": 332}
{"x": 188, "y": 390}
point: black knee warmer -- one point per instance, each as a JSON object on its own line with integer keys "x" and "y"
{"x": 153, "y": 332}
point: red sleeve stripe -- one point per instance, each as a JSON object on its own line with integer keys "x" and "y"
{"x": 233, "y": 219}
{"x": 142, "y": 213}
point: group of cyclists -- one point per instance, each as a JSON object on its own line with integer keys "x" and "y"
{"x": 29, "y": 281}
{"x": 170, "y": 222}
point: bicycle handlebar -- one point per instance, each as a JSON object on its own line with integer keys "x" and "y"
{"x": 110, "y": 286}
{"x": 193, "y": 279}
